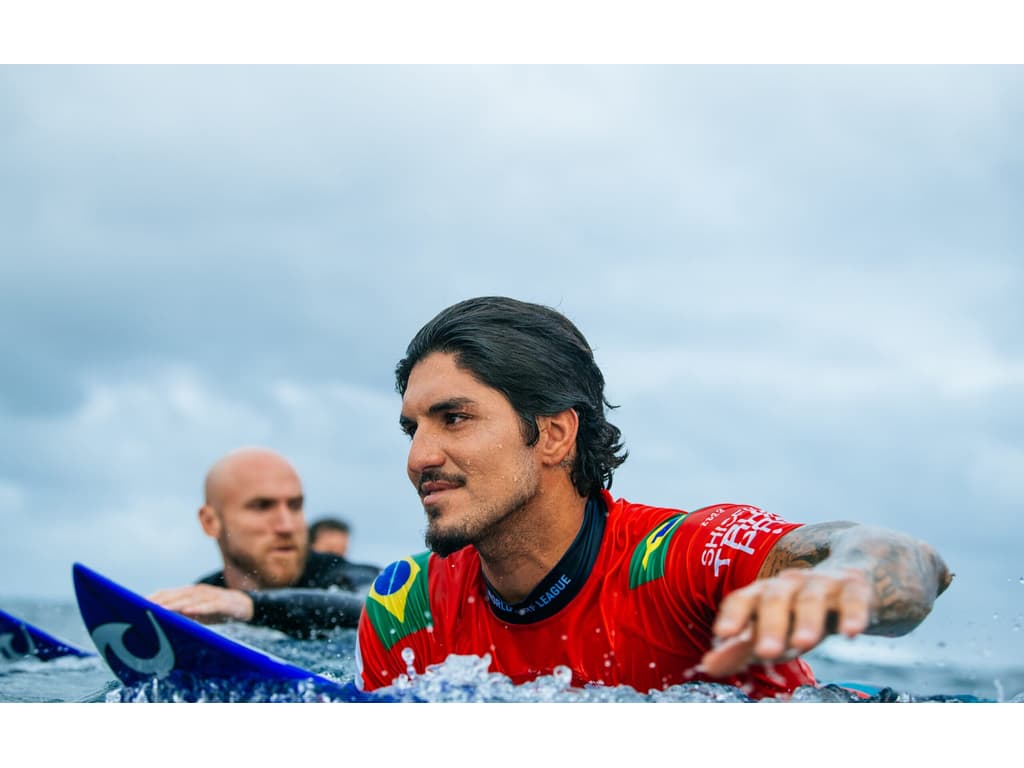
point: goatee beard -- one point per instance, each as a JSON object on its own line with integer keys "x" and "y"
{"x": 446, "y": 542}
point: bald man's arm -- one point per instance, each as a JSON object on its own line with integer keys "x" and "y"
{"x": 301, "y": 613}
{"x": 305, "y": 613}
{"x": 207, "y": 604}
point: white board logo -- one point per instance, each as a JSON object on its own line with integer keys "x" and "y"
{"x": 112, "y": 636}
{"x": 7, "y": 645}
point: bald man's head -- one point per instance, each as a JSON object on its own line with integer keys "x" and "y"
{"x": 254, "y": 509}
{"x": 243, "y": 467}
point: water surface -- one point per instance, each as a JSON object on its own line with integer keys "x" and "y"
{"x": 875, "y": 661}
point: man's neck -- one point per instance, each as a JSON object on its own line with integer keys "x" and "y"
{"x": 516, "y": 560}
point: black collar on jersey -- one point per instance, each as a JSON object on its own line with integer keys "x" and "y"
{"x": 564, "y": 581}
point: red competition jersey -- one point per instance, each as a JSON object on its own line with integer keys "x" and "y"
{"x": 642, "y": 618}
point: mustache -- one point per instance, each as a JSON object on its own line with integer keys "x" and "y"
{"x": 434, "y": 476}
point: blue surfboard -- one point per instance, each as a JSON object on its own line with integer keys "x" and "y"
{"x": 142, "y": 641}
{"x": 19, "y": 640}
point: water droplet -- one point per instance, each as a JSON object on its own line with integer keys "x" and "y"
{"x": 562, "y": 674}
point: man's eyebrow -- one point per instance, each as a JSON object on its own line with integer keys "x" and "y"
{"x": 264, "y": 501}
{"x": 443, "y": 406}
{"x": 450, "y": 405}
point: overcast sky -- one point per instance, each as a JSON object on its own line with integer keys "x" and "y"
{"x": 803, "y": 286}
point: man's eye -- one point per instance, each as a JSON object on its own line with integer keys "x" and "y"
{"x": 408, "y": 430}
{"x": 454, "y": 418}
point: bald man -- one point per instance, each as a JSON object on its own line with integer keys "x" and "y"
{"x": 254, "y": 511}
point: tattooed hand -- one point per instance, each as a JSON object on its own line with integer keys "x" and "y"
{"x": 826, "y": 579}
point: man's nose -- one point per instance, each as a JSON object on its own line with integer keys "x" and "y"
{"x": 285, "y": 518}
{"x": 425, "y": 452}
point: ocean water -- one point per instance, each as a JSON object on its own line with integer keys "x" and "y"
{"x": 879, "y": 662}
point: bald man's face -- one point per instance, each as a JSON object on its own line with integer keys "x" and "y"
{"x": 255, "y": 512}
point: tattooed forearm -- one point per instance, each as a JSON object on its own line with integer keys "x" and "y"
{"x": 904, "y": 574}
{"x": 805, "y": 547}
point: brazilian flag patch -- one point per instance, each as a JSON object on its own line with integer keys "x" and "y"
{"x": 399, "y": 603}
{"x": 648, "y": 561}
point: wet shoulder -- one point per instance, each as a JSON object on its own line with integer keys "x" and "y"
{"x": 643, "y": 536}
{"x": 633, "y": 523}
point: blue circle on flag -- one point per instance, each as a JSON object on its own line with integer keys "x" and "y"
{"x": 392, "y": 578}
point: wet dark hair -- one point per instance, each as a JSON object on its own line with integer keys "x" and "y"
{"x": 540, "y": 361}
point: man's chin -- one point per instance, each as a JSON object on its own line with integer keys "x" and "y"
{"x": 282, "y": 571}
{"x": 444, "y": 543}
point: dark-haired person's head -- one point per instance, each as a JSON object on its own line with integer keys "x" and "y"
{"x": 540, "y": 361}
{"x": 330, "y": 535}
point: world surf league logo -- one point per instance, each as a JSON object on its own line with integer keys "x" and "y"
{"x": 546, "y": 597}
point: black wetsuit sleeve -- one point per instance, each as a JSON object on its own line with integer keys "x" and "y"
{"x": 305, "y": 613}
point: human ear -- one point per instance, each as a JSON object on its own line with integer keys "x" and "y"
{"x": 557, "y": 442}
{"x": 210, "y": 521}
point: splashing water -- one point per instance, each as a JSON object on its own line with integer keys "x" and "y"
{"x": 468, "y": 679}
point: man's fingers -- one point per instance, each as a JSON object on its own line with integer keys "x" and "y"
{"x": 775, "y": 616}
{"x": 810, "y": 615}
{"x": 736, "y": 611}
{"x": 165, "y": 595}
{"x": 190, "y": 600}
{"x": 729, "y": 656}
{"x": 776, "y": 619}
{"x": 206, "y": 603}
{"x": 854, "y": 606}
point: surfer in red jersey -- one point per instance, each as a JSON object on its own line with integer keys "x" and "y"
{"x": 253, "y": 509}
{"x": 534, "y": 564}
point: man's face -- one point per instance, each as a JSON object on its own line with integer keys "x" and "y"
{"x": 331, "y": 541}
{"x": 262, "y": 529}
{"x": 468, "y": 459}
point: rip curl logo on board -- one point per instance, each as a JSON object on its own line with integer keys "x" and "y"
{"x": 398, "y": 603}
{"x": 111, "y": 637}
{"x": 7, "y": 645}
{"x": 648, "y": 561}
